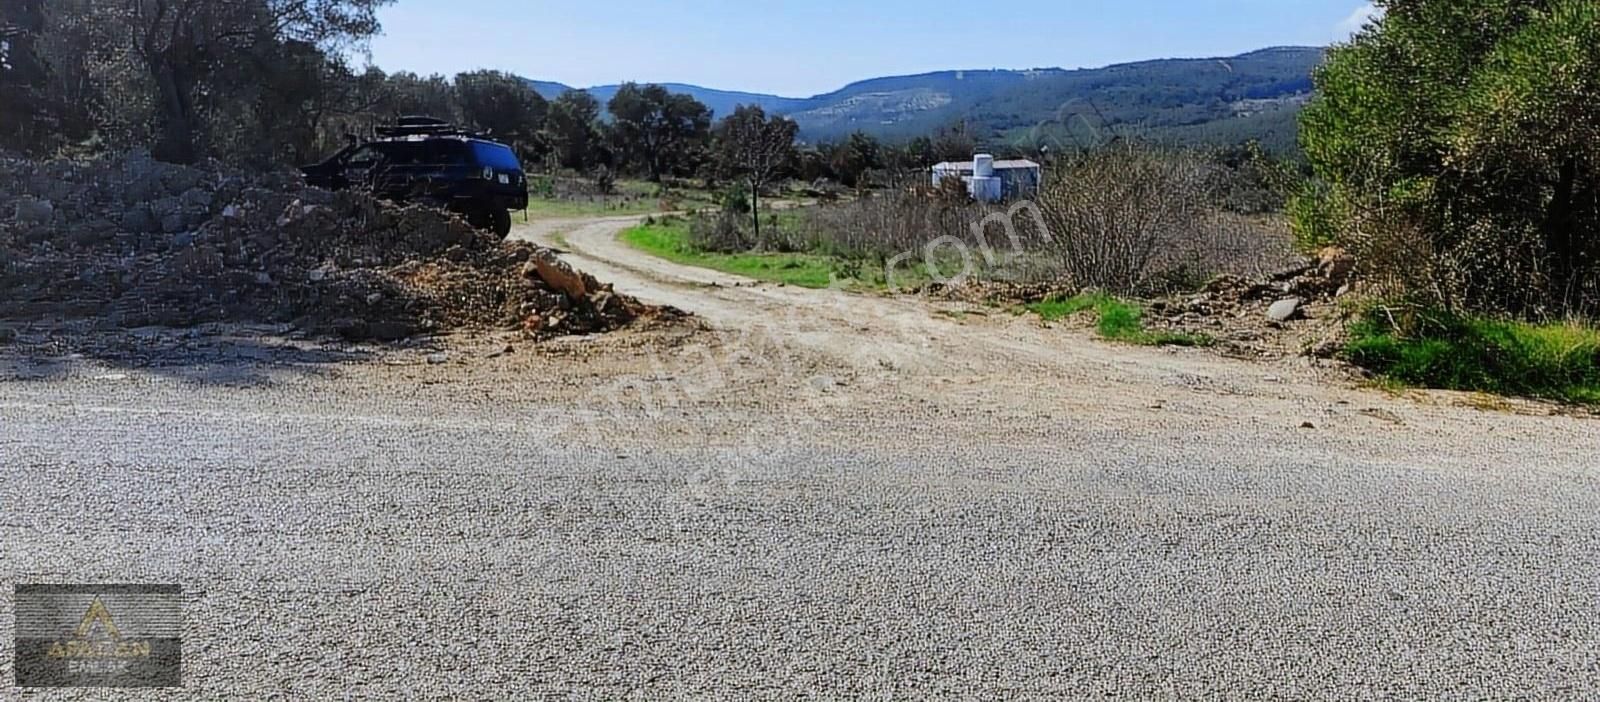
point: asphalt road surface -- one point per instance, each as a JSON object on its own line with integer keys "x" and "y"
{"x": 817, "y": 496}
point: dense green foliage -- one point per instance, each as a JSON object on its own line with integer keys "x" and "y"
{"x": 1555, "y": 361}
{"x": 573, "y": 130}
{"x": 1457, "y": 144}
{"x": 503, "y": 106}
{"x": 250, "y": 78}
{"x": 661, "y": 132}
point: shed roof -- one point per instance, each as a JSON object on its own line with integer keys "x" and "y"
{"x": 998, "y": 165}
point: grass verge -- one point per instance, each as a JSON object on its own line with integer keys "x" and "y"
{"x": 1550, "y": 361}
{"x": 1119, "y": 320}
{"x": 670, "y": 240}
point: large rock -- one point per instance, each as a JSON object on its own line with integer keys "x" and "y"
{"x": 138, "y": 220}
{"x": 1284, "y": 310}
{"x": 31, "y": 211}
{"x": 558, "y": 275}
{"x": 1336, "y": 265}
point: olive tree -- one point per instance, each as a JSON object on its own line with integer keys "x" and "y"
{"x": 657, "y": 129}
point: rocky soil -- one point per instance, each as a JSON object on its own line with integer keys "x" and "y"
{"x": 1293, "y": 312}
{"x": 129, "y": 242}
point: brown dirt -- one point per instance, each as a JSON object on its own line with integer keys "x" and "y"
{"x": 131, "y": 243}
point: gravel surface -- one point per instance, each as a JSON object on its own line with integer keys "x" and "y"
{"x": 875, "y": 498}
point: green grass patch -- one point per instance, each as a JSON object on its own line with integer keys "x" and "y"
{"x": 670, "y": 240}
{"x": 1551, "y": 361}
{"x": 1118, "y": 320}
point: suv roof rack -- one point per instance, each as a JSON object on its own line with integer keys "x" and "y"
{"x": 418, "y": 126}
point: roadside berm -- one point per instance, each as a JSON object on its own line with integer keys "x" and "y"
{"x": 130, "y": 242}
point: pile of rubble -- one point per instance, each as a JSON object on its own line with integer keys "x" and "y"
{"x": 1292, "y": 312}
{"x": 132, "y": 242}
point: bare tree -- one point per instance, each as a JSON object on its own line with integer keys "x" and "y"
{"x": 757, "y": 148}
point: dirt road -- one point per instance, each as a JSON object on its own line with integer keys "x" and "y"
{"x": 820, "y": 495}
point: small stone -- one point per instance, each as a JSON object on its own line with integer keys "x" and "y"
{"x": 1284, "y": 310}
{"x": 440, "y": 358}
{"x": 374, "y": 299}
{"x": 1308, "y": 425}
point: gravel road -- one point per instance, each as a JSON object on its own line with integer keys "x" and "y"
{"x": 816, "y": 496}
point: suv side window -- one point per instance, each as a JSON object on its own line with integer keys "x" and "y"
{"x": 364, "y": 156}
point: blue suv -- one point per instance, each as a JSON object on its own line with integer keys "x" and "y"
{"x": 430, "y": 161}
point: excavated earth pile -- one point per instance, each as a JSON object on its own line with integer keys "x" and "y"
{"x": 131, "y": 242}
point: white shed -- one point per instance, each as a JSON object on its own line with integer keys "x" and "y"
{"x": 989, "y": 180}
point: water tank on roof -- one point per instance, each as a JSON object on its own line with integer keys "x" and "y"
{"x": 983, "y": 166}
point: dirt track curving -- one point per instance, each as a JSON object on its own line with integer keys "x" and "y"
{"x": 819, "y": 496}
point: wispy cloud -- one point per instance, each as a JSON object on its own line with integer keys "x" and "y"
{"x": 1358, "y": 19}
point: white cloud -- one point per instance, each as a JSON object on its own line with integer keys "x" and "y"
{"x": 1358, "y": 19}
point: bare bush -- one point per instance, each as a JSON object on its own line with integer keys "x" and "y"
{"x": 1125, "y": 219}
{"x": 721, "y": 232}
{"x": 1113, "y": 214}
{"x": 890, "y": 224}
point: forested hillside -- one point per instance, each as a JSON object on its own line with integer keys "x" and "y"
{"x": 1227, "y": 100}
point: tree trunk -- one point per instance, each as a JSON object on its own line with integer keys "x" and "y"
{"x": 1560, "y": 241}
{"x": 176, "y": 144}
{"x": 755, "y": 212}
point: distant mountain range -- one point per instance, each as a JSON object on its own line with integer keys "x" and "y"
{"x": 1215, "y": 100}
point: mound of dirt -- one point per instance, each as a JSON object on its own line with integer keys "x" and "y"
{"x": 132, "y": 242}
{"x": 1294, "y": 312}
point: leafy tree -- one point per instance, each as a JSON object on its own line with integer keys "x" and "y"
{"x": 193, "y": 51}
{"x": 908, "y": 161}
{"x": 855, "y": 157}
{"x": 758, "y": 149}
{"x": 572, "y": 129}
{"x": 1457, "y": 147}
{"x": 407, "y": 93}
{"x": 503, "y": 105}
{"x": 657, "y": 129}
{"x": 954, "y": 143}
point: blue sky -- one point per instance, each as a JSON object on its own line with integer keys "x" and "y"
{"x": 799, "y": 49}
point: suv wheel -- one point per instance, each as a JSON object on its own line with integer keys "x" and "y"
{"x": 500, "y": 222}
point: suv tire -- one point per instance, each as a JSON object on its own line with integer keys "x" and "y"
{"x": 500, "y": 222}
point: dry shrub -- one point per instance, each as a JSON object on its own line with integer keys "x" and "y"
{"x": 1113, "y": 213}
{"x": 721, "y": 232}
{"x": 886, "y": 225}
{"x": 1126, "y": 219}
